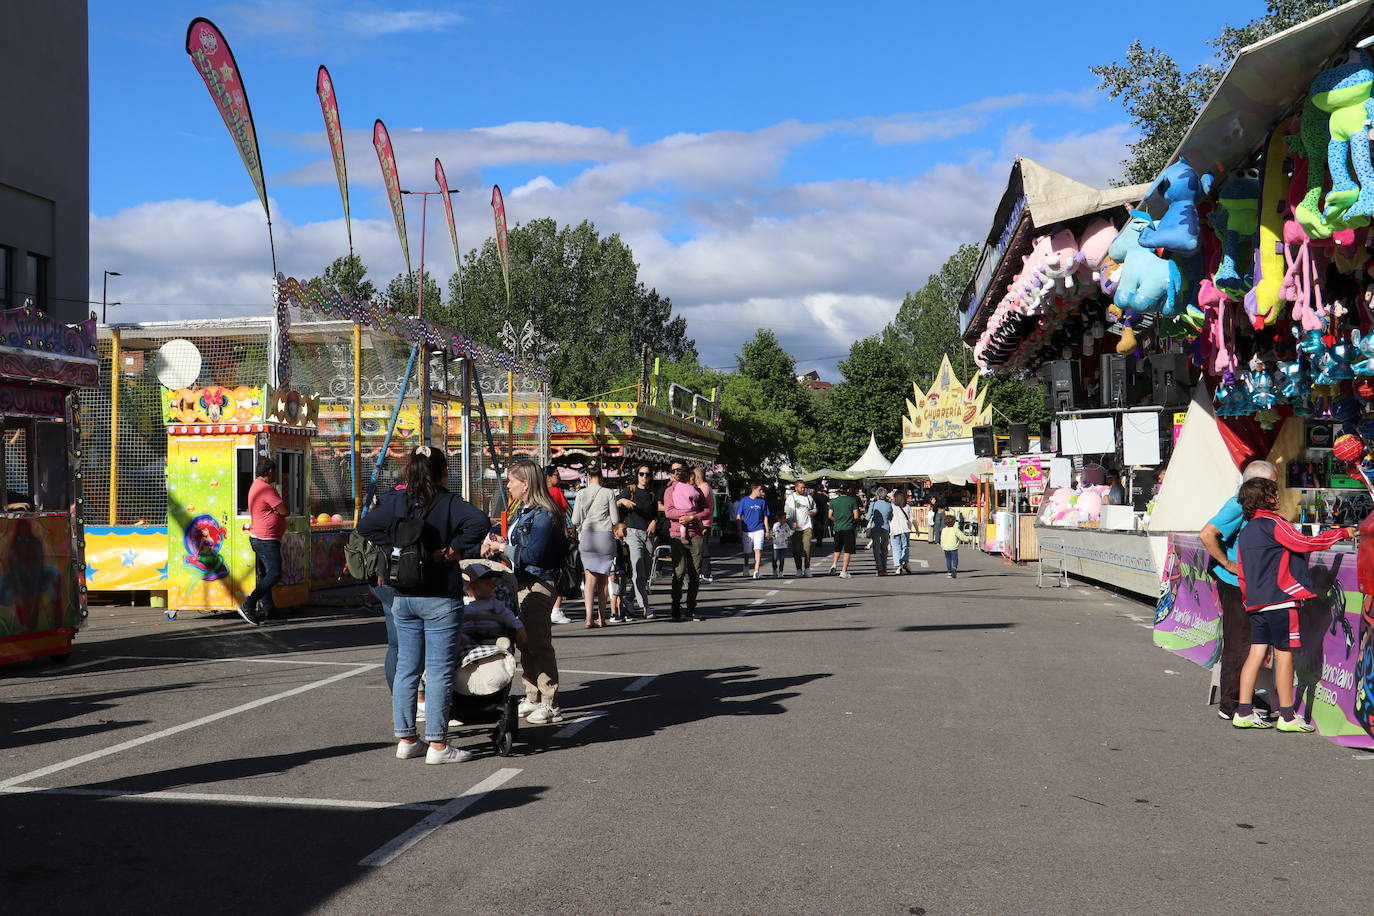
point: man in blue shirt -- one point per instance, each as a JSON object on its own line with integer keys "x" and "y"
{"x": 1219, "y": 536}
{"x": 753, "y": 518}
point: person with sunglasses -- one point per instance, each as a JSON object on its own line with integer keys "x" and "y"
{"x": 639, "y": 511}
{"x": 688, "y": 512}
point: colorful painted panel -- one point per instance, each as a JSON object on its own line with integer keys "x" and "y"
{"x": 213, "y": 404}
{"x": 1335, "y": 664}
{"x": 208, "y": 568}
{"x": 327, "y": 555}
{"x": 126, "y": 558}
{"x": 37, "y": 583}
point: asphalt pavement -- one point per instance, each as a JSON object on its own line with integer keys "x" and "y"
{"x": 902, "y": 745}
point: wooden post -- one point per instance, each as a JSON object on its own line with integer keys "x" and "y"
{"x": 115, "y": 357}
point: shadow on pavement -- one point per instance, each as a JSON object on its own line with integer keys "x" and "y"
{"x": 17, "y": 717}
{"x": 939, "y": 627}
{"x": 245, "y": 768}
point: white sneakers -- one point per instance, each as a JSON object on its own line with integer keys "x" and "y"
{"x": 544, "y": 714}
{"x": 559, "y": 617}
{"x": 845, "y": 575}
{"x": 525, "y": 708}
{"x": 806, "y": 573}
{"x": 407, "y": 750}
{"x": 449, "y": 754}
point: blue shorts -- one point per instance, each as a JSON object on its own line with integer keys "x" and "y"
{"x": 1273, "y": 628}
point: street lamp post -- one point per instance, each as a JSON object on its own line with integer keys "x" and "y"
{"x": 105, "y": 293}
{"x": 424, "y": 206}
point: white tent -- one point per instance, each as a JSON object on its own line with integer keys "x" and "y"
{"x": 872, "y": 464}
{"x": 929, "y": 459}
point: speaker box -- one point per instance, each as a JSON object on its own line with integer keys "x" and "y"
{"x": 1169, "y": 379}
{"x": 1049, "y": 437}
{"x": 984, "y": 442}
{"x": 1063, "y": 389}
{"x": 1018, "y": 439}
{"x": 1114, "y": 382}
{"x": 1142, "y": 489}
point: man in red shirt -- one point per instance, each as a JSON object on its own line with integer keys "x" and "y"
{"x": 268, "y": 514}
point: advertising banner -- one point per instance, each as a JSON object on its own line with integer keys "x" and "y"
{"x": 329, "y": 107}
{"x": 386, "y": 158}
{"x": 452, "y": 226}
{"x": 498, "y": 211}
{"x": 216, "y": 65}
{"x": 1335, "y": 663}
{"x": 949, "y": 410}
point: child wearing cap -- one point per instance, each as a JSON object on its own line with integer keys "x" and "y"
{"x": 488, "y": 614}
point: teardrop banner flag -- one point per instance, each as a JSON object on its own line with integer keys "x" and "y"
{"x": 216, "y": 65}
{"x": 329, "y": 107}
{"x": 387, "y": 159}
{"x": 452, "y": 227}
{"x": 498, "y": 210}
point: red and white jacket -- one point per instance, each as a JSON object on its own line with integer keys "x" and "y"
{"x": 1271, "y": 554}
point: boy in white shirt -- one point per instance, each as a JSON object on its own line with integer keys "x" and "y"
{"x": 782, "y": 537}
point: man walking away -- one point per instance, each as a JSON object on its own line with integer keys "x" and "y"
{"x": 753, "y": 521}
{"x": 688, "y": 512}
{"x": 844, "y": 516}
{"x": 267, "y": 512}
{"x": 880, "y": 528}
{"x": 901, "y": 533}
{"x": 800, "y": 509}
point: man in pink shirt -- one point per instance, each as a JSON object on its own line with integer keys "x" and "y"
{"x": 268, "y": 514}
{"x": 689, "y": 513}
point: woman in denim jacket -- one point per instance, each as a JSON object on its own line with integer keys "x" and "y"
{"x": 536, "y": 545}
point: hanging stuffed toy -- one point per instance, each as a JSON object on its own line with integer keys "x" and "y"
{"x": 1310, "y": 143}
{"x": 1096, "y": 239}
{"x": 1148, "y": 282}
{"x": 1263, "y": 301}
{"x": 1365, "y": 347}
{"x": 1343, "y": 93}
{"x": 1179, "y": 230}
{"x": 1236, "y": 220}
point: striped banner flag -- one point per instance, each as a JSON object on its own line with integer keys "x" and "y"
{"x": 329, "y": 107}
{"x": 452, "y": 227}
{"x": 498, "y": 210}
{"x": 387, "y": 159}
{"x": 216, "y": 65}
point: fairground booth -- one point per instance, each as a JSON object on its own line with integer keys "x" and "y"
{"x": 42, "y": 568}
{"x": 1225, "y": 316}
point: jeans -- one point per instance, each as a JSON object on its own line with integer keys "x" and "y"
{"x": 779, "y": 558}
{"x": 687, "y": 554}
{"x": 951, "y": 561}
{"x": 641, "y": 560}
{"x": 267, "y": 563}
{"x": 901, "y": 549}
{"x": 387, "y": 595}
{"x": 879, "y": 539}
{"x": 801, "y": 549}
{"x": 427, "y": 632}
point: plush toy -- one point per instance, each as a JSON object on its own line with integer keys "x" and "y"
{"x": 1148, "y": 282}
{"x": 1343, "y": 93}
{"x": 1236, "y": 220}
{"x": 1310, "y": 143}
{"x": 1061, "y": 262}
{"x": 1263, "y": 301}
{"x": 1232, "y": 399}
{"x": 1259, "y": 385}
{"x": 1295, "y": 380}
{"x": 1179, "y": 229}
{"x": 1364, "y": 346}
{"x": 1096, "y": 238}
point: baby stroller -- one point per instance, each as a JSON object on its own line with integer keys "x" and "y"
{"x": 484, "y": 674}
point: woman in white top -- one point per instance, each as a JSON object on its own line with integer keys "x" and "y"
{"x": 901, "y": 533}
{"x": 595, "y": 518}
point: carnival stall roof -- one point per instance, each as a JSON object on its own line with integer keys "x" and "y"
{"x": 931, "y": 459}
{"x": 870, "y": 464}
{"x": 1035, "y": 200}
{"x": 1265, "y": 80}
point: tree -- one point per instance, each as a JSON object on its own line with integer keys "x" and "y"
{"x": 926, "y": 327}
{"x": 1163, "y": 101}
{"x": 1015, "y": 401}
{"x": 870, "y": 398}
{"x": 582, "y": 292}
{"x": 347, "y": 275}
{"x": 401, "y": 295}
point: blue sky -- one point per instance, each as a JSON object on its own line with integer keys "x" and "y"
{"x": 798, "y": 166}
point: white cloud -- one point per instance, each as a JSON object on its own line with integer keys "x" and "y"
{"x": 304, "y": 25}
{"x": 709, "y": 219}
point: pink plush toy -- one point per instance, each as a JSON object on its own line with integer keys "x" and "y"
{"x": 1061, "y": 261}
{"x": 1097, "y": 237}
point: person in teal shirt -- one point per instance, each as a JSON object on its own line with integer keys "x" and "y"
{"x": 1219, "y": 536}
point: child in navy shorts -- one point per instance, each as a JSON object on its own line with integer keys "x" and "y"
{"x": 1274, "y": 582}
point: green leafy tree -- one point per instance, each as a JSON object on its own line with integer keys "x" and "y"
{"x": 926, "y": 327}
{"x": 1014, "y": 400}
{"x": 582, "y": 293}
{"x": 348, "y": 275}
{"x": 1162, "y": 100}
{"x": 870, "y": 398}
{"x": 401, "y": 295}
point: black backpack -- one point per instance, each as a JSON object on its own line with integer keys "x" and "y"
{"x": 408, "y": 563}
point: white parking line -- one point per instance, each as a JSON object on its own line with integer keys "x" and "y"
{"x": 386, "y": 854}
{"x": 581, "y": 722}
{"x": 68, "y": 669}
{"x": 177, "y": 729}
{"x": 789, "y": 581}
{"x": 270, "y": 801}
{"x": 639, "y": 684}
{"x": 924, "y": 564}
{"x": 770, "y": 594}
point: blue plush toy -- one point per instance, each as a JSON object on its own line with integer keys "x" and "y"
{"x": 1260, "y": 386}
{"x": 1343, "y": 92}
{"x": 1236, "y": 221}
{"x": 1179, "y": 230}
{"x": 1365, "y": 350}
{"x": 1295, "y": 380}
{"x": 1148, "y": 282}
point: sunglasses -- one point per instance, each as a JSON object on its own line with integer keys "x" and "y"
{"x": 645, "y": 474}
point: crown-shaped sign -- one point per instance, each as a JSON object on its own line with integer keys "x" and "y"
{"x": 949, "y": 410}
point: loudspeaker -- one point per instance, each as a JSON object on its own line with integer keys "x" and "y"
{"x": 984, "y": 442}
{"x": 1063, "y": 391}
{"x": 1114, "y": 383}
{"x": 1049, "y": 437}
{"x": 1169, "y": 379}
{"x": 1018, "y": 439}
{"x": 1142, "y": 489}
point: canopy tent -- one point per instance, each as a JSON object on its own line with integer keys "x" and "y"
{"x": 870, "y": 464}
{"x": 828, "y": 473}
{"x": 928, "y": 459}
{"x": 964, "y": 474}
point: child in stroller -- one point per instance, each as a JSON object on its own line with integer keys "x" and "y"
{"x": 486, "y": 662}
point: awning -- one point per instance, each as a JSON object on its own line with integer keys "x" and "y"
{"x": 1265, "y": 80}
{"x": 965, "y": 473}
{"x": 926, "y": 459}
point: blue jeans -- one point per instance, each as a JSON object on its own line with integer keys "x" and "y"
{"x": 267, "y": 555}
{"x": 901, "y": 549}
{"x": 951, "y": 561}
{"x": 779, "y": 558}
{"x": 386, "y": 595}
{"x": 427, "y": 640}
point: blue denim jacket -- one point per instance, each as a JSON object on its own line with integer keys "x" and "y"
{"x": 536, "y": 542}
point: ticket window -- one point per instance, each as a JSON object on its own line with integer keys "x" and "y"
{"x": 245, "y": 472}
{"x": 291, "y": 480}
{"x": 17, "y": 465}
{"x": 32, "y": 485}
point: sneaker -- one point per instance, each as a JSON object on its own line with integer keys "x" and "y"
{"x": 525, "y": 708}
{"x": 406, "y": 751}
{"x": 614, "y": 619}
{"x": 449, "y": 754}
{"x": 950, "y": 575}
{"x": 454, "y": 723}
{"x": 559, "y": 617}
{"x": 1250, "y": 721}
{"x": 708, "y": 579}
{"x": 845, "y": 575}
{"x": 1224, "y": 716}
{"x": 544, "y": 714}
{"x": 247, "y": 614}
{"x": 806, "y": 574}
{"x": 1297, "y": 724}
{"x": 648, "y": 615}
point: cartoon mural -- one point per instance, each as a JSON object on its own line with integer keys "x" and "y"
{"x": 37, "y": 591}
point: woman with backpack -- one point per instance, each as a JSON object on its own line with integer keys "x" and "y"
{"x": 423, "y": 531}
{"x": 536, "y": 545}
